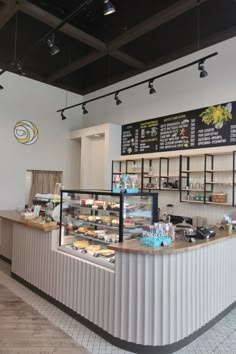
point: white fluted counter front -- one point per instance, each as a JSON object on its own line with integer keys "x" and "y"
{"x": 166, "y": 297}
{"x": 155, "y": 300}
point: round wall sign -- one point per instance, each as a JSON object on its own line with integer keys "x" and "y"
{"x": 26, "y": 132}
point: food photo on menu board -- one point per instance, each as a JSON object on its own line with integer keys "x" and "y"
{"x": 206, "y": 127}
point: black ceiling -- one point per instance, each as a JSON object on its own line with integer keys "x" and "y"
{"x": 98, "y": 50}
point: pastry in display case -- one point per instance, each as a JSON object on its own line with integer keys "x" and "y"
{"x": 91, "y": 220}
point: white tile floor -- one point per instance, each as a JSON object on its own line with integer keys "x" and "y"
{"x": 220, "y": 339}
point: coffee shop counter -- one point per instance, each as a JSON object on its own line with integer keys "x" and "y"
{"x": 167, "y": 296}
{"x": 152, "y": 301}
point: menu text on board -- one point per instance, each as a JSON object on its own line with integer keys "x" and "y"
{"x": 206, "y": 127}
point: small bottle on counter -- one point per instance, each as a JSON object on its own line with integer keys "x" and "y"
{"x": 172, "y": 231}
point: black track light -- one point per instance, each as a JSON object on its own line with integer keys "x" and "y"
{"x": 201, "y": 68}
{"x": 19, "y": 66}
{"x": 84, "y": 109}
{"x": 53, "y": 48}
{"x": 63, "y": 117}
{"x": 200, "y": 62}
{"x": 109, "y": 8}
{"x": 151, "y": 88}
{"x": 1, "y": 87}
{"x": 118, "y": 101}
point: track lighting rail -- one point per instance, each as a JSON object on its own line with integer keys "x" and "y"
{"x": 67, "y": 19}
{"x": 198, "y": 61}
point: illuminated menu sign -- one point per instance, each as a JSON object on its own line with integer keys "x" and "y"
{"x": 206, "y": 127}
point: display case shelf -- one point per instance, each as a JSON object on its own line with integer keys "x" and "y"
{"x": 169, "y": 189}
{"x": 220, "y": 183}
{"x": 192, "y": 190}
{"x": 227, "y": 204}
{"x": 192, "y": 171}
{"x": 151, "y": 188}
{"x": 96, "y": 240}
{"x": 219, "y": 171}
{"x": 106, "y": 226}
{"x": 192, "y": 201}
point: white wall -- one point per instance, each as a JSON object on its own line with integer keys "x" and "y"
{"x": 25, "y": 99}
{"x": 99, "y": 146}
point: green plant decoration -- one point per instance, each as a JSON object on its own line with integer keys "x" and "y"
{"x": 216, "y": 116}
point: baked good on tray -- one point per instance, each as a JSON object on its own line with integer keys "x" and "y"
{"x": 106, "y": 253}
{"x": 93, "y": 248}
{"x": 90, "y": 233}
{"x": 92, "y": 218}
{"x": 128, "y": 223}
{"x": 82, "y": 230}
{"x": 83, "y": 217}
{"x": 115, "y": 222}
{"x": 80, "y": 243}
{"x": 98, "y": 220}
{"x": 106, "y": 220}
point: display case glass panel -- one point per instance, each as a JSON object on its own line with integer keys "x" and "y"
{"x": 91, "y": 220}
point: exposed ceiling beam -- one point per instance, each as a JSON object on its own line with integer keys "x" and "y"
{"x": 160, "y": 18}
{"x": 204, "y": 43}
{"x": 81, "y": 62}
{"x": 146, "y": 26}
{"x": 7, "y": 11}
{"x": 53, "y": 21}
{"x": 91, "y": 58}
{"x": 75, "y": 33}
{"x": 127, "y": 59}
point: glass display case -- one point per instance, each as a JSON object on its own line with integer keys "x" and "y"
{"x": 91, "y": 220}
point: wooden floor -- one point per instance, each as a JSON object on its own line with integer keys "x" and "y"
{"x": 24, "y": 330}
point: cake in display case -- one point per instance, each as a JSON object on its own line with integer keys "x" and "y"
{"x": 91, "y": 220}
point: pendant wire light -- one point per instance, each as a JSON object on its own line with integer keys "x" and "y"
{"x": 109, "y": 8}
{"x": 201, "y": 66}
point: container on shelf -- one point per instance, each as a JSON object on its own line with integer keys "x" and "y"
{"x": 218, "y": 197}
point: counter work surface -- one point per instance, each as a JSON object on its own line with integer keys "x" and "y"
{"x": 15, "y": 216}
{"x": 178, "y": 246}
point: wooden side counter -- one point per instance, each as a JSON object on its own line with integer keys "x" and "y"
{"x": 7, "y": 220}
{"x": 15, "y": 217}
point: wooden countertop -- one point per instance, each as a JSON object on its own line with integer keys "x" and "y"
{"x": 178, "y": 246}
{"x": 15, "y": 216}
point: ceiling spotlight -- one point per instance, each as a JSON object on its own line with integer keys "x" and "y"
{"x": 201, "y": 68}
{"x": 118, "y": 101}
{"x": 19, "y": 66}
{"x": 1, "y": 87}
{"x": 53, "y": 48}
{"x": 63, "y": 117}
{"x": 151, "y": 88}
{"x": 109, "y": 8}
{"x": 84, "y": 109}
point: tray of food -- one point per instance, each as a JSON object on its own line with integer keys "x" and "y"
{"x": 80, "y": 244}
{"x": 106, "y": 253}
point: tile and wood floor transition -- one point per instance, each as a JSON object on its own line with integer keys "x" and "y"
{"x": 31, "y": 325}
{"x": 24, "y": 330}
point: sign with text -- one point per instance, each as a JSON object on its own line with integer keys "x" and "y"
{"x": 206, "y": 127}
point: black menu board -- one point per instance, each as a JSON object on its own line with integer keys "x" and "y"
{"x": 206, "y": 127}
